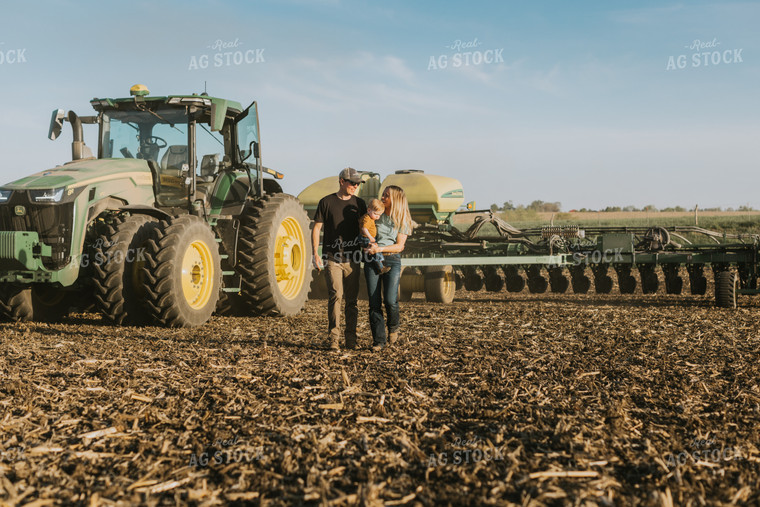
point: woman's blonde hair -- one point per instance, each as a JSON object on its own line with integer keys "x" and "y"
{"x": 400, "y": 215}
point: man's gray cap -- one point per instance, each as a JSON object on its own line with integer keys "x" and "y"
{"x": 350, "y": 174}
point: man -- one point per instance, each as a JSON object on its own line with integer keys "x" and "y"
{"x": 338, "y": 216}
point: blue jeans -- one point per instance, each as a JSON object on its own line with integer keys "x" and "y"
{"x": 376, "y": 259}
{"x": 383, "y": 288}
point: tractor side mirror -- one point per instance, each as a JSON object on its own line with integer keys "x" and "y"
{"x": 255, "y": 149}
{"x": 56, "y": 124}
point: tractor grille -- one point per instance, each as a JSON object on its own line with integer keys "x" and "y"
{"x": 52, "y": 222}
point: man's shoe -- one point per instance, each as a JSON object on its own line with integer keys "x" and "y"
{"x": 377, "y": 347}
{"x": 334, "y": 344}
{"x": 351, "y": 343}
{"x": 392, "y": 338}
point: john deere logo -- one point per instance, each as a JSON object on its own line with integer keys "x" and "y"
{"x": 453, "y": 194}
{"x": 20, "y": 211}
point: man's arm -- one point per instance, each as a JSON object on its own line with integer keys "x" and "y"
{"x": 315, "y": 245}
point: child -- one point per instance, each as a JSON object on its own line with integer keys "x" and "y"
{"x": 369, "y": 231}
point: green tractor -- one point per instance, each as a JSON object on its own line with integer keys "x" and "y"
{"x": 172, "y": 221}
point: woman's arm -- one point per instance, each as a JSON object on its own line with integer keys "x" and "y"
{"x": 397, "y": 247}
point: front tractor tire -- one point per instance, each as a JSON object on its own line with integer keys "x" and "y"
{"x": 38, "y": 303}
{"x": 182, "y": 272}
{"x": 117, "y": 262}
{"x": 274, "y": 256}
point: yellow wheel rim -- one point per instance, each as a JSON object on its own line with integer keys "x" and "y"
{"x": 197, "y": 274}
{"x": 290, "y": 258}
{"x": 449, "y": 282}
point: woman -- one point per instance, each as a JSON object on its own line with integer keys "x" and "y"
{"x": 393, "y": 227}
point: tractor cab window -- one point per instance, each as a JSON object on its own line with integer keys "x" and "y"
{"x": 160, "y": 136}
{"x": 247, "y": 129}
{"x": 209, "y": 149}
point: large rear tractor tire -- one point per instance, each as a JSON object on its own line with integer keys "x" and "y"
{"x": 182, "y": 272}
{"x": 440, "y": 284}
{"x": 725, "y": 289}
{"x": 274, "y": 255}
{"x": 117, "y": 262}
{"x": 39, "y": 303}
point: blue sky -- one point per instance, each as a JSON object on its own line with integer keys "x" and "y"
{"x": 582, "y": 109}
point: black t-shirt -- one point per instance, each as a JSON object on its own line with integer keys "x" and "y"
{"x": 341, "y": 225}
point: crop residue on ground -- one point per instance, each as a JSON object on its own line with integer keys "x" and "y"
{"x": 496, "y": 398}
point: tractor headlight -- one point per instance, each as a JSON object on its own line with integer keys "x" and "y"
{"x": 5, "y": 195}
{"x": 51, "y": 195}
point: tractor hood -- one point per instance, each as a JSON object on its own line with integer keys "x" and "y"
{"x": 85, "y": 172}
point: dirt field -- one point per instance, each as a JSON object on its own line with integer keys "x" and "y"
{"x": 494, "y": 399}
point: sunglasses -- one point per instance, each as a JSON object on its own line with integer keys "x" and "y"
{"x": 353, "y": 183}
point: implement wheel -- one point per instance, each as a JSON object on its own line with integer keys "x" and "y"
{"x": 513, "y": 280}
{"x": 117, "y": 262}
{"x": 183, "y": 272}
{"x": 673, "y": 281}
{"x": 649, "y": 281}
{"x": 697, "y": 280}
{"x": 473, "y": 280}
{"x": 725, "y": 289}
{"x": 580, "y": 282}
{"x": 537, "y": 284}
{"x": 493, "y": 280}
{"x": 440, "y": 284}
{"x": 558, "y": 282}
{"x": 626, "y": 281}
{"x": 274, "y": 255}
{"x": 603, "y": 284}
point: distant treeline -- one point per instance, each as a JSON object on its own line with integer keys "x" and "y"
{"x": 534, "y": 206}
{"x": 556, "y": 207}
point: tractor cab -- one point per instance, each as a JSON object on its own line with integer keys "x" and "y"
{"x": 203, "y": 152}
